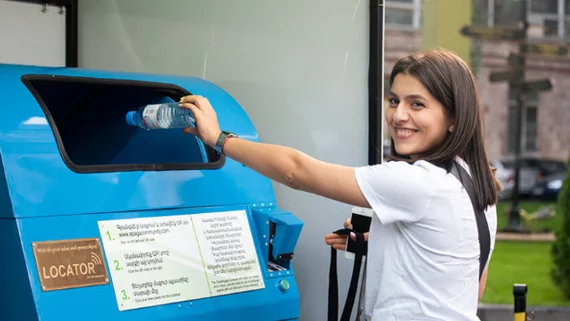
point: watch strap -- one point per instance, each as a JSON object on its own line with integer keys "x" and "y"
{"x": 224, "y": 135}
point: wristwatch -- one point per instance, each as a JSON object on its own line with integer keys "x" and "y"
{"x": 224, "y": 135}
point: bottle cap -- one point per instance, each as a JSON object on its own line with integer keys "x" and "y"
{"x": 131, "y": 118}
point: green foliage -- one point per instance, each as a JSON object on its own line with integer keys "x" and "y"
{"x": 561, "y": 247}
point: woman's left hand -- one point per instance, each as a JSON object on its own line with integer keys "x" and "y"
{"x": 338, "y": 242}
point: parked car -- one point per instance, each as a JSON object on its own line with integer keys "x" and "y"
{"x": 532, "y": 170}
{"x": 549, "y": 187}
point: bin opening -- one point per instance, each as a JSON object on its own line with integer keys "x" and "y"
{"x": 87, "y": 116}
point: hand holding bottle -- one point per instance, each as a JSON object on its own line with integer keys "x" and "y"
{"x": 207, "y": 127}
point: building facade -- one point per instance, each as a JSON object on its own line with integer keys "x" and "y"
{"x": 546, "y": 115}
{"x": 413, "y": 25}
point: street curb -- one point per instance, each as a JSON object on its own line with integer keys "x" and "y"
{"x": 502, "y": 312}
{"x": 541, "y": 237}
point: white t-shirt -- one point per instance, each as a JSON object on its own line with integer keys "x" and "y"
{"x": 423, "y": 250}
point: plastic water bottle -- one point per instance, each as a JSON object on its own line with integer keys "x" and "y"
{"x": 161, "y": 116}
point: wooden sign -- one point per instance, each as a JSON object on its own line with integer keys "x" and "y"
{"x": 492, "y": 33}
{"x": 545, "y": 49}
{"x": 502, "y": 76}
{"x": 70, "y": 263}
{"x": 535, "y": 85}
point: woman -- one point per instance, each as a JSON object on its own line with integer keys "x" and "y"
{"x": 423, "y": 257}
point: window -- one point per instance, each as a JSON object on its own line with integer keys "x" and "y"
{"x": 547, "y": 18}
{"x": 507, "y": 13}
{"x": 529, "y": 126}
{"x": 550, "y": 27}
{"x": 403, "y": 14}
{"x": 530, "y": 130}
{"x": 544, "y": 6}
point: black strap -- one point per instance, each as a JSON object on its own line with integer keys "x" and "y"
{"x": 482, "y": 227}
{"x": 360, "y": 250}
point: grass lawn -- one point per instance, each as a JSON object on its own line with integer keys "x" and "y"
{"x": 522, "y": 262}
{"x": 531, "y": 207}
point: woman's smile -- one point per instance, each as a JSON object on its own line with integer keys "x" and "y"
{"x": 401, "y": 133}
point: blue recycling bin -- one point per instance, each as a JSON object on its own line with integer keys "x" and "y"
{"x": 103, "y": 221}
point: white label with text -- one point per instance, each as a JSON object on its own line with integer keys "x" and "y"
{"x": 160, "y": 260}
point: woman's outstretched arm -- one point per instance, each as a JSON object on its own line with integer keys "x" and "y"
{"x": 279, "y": 163}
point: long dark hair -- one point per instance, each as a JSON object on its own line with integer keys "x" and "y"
{"x": 449, "y": 80}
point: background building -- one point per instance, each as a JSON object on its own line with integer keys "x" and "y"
{"x": 413, "y": 25}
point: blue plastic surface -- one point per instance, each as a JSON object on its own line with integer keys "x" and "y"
{"x": 287, "y": 229}
{"x": 31, "y": 158}
{"x": 42, "y": 198}
{"x": 130, "y": 118}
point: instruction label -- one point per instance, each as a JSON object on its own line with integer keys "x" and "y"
{"x": 167, "y": 259}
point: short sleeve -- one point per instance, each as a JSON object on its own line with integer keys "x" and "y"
{"x": 398, "y": 191}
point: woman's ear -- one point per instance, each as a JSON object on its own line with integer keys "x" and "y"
{"x": 451, "y": 128}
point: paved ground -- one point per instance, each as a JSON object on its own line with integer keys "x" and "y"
{"x": 499, "y": 312}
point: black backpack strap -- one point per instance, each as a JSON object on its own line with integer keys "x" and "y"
{"x": 360, "y": 250}
{"x": 482, "y": 227}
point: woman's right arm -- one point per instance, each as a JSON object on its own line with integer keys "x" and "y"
{"x": 298, "y": 170}
{"x": 279, "y": 163}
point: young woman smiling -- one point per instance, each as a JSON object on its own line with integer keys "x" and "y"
{"x": 423, "y": 250}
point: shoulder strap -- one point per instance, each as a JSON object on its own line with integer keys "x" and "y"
{"x": 361, "y": 249}
{"x": 482, "y": 227}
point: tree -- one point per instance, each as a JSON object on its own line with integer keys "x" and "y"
{"x": 561, "y": 247}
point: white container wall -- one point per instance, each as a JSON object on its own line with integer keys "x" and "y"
{"x": 31, "y": 34}
{"x": 299, "y": 68}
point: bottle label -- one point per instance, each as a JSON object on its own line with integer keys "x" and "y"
{"x": 150, "y": 117}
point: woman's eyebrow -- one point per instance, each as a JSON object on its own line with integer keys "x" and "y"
{"x": 412, "y": 96}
